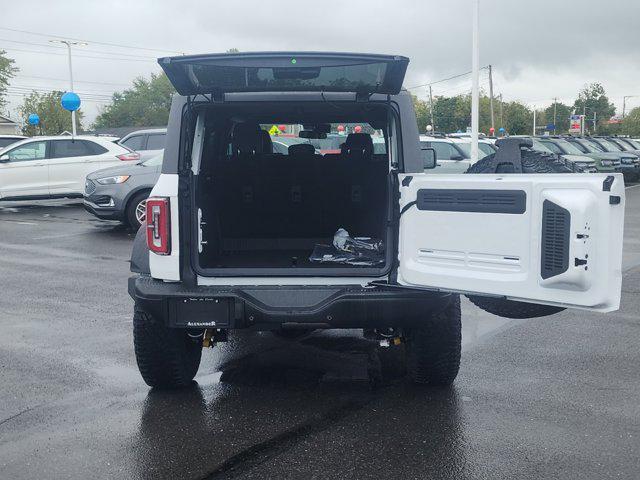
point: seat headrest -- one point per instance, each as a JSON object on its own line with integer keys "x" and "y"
{"x": 301, "y": 149}
{"x": 250, "y": 138}
{"x": 265, "y": 145}
{"x": 358, "y": 143}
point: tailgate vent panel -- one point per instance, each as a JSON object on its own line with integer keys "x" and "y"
{"x": 556, "y": 229}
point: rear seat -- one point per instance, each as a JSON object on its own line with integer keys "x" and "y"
{"x": 353, "y": 183}
{"x": 302, "y": 194}
{"x": 234, "y": 188}
{"x": 305, "y": 206}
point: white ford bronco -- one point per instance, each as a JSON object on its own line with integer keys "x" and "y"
{"x": 240, "y": 237}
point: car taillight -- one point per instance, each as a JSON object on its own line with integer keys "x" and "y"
{"x": 158, "y": 225}
{"x": 129, "y": 156}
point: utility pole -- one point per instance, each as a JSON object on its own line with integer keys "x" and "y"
{"x": 433, "y": 122}
{"x": 534, "y": 121}
{"x": 555, "y": 111}
{"x": 475, "y": 81}
{"x": 594, "y": 122}
{"x": 493, "y": 123}
{"x": 68, "y": 44}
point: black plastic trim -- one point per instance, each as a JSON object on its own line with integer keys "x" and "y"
{"x": 472, "y": 200}
{"x": 556, "y": 231}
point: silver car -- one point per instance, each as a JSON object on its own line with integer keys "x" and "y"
{"x": 148, "y": 143}
{"x": 120, "y": 193}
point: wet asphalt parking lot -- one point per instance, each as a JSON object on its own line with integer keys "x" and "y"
{"x": 556, "y": 397}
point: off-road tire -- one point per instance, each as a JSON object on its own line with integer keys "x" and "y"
{"x": 130, "y": 213}
{"x": 532, "y": 162}
{"x": 167, "y": 358}
{"x": 433, "y": 349}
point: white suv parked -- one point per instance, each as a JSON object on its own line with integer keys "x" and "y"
{"x": 453, "y": 153}
{"x": 51, "y": 167}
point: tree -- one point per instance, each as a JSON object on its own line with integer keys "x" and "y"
{"x": 53, "y": 118}
{"x": 7, "y": 72}
{"x": 145, "y": 104}
{"x": 562, "y": 114}
{"x": 423, "y": 114}
{"x": 631, "y": 123}
{"x": 518, "y": 118}
{"x": 592, "y": 98}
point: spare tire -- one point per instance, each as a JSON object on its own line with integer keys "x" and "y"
{"x": 532, "y": 162}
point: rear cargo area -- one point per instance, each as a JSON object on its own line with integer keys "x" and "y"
{"x": 263, "y": 210}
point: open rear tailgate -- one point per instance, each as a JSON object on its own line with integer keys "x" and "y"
{"x": 285, "y": 72}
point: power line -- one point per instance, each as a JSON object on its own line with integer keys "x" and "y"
{"x": 445, "y": 79}
{"x": 121, "y": 59}
{"x": 48, "y": 35}
{"x": 84, "y": 50}
{"x": 76, "y": 81}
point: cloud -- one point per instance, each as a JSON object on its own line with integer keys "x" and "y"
{"x": 566, "y": 43}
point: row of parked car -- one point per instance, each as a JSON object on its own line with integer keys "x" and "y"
{"x": 116, "y": 175}
{"x": 583, "y": 154}
{"x": 103, "y": 169}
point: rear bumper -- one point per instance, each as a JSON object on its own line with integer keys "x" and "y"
{"x": 289, "y": 307}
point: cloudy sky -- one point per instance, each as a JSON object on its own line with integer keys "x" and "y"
{"x": 539, "y": 50}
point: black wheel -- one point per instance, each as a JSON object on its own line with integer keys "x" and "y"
{"x": 532, "y": 162}
{"x": 167, "y": 358}
{"x": 136, "y": 210}
{"x": 433, "y": 349}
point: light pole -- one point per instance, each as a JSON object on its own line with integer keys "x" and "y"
{"x": 475, "y": 81}
{"x": 68, "y": 43}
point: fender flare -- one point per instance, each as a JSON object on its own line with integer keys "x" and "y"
{"x": 139, "y": 262}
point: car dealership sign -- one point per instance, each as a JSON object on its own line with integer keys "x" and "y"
{"x": 575, "y": 123}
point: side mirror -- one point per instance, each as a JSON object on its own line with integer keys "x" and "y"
{"x": 4, "y": 158}
{"x": 428, "y": 158}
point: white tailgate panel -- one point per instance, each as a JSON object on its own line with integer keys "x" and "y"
{"x": 500, "y": 253}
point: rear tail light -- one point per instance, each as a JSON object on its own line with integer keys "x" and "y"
{"x": 158, "y": 226}
{"x": 129, "y": 156}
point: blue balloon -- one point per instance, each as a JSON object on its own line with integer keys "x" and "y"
{"x": 33, "y": 119}
{"x": 70, "y": 101}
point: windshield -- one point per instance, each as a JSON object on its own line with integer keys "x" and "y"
{"x": 589, "y": 147}
{"x": 568, "y": 147}
{"x": 608, "y": 146}
{"x": 622, "y": 146}
{"x": 284, "y": 135}
{"x": 540, "y": 147}
{"x": 633, "y": 143}
{"x": 466, "y": 148}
